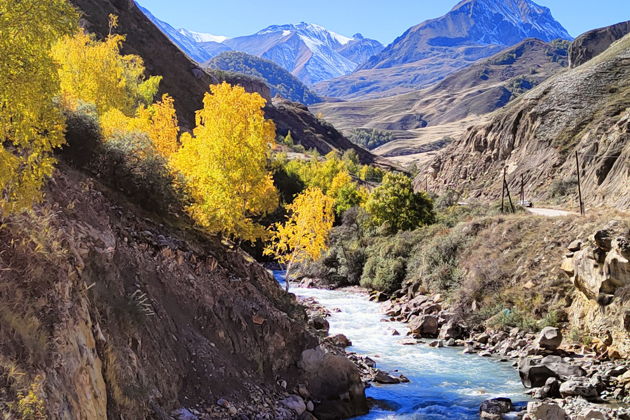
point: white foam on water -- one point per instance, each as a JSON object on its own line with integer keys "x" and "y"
{"x": 445, "y": 384}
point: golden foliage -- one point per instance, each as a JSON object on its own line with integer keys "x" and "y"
{"x": 31, "y": 126}
{"x": 304, "y": 235}
{"x": 158, "y": 121}
{"x": 96, "y": 72}
{"x": 30, "y": 405}
{"x": 224, "y": 163}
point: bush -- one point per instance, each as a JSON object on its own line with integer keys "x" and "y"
{"x": 396, "y": 204}
{"x": 386, "y": 264}
{"x": 129, "y": 163}
{"x": 510, "y": 318}
{"x": 563, "y": 187}
{"x": 83, "y": 135}
{"x": 383, "y": 274}
{"x": 435, "y": 261}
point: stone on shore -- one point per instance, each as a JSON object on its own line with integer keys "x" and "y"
{"x": 549, "y": 338}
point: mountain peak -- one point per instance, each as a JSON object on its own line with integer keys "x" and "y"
{"x": 472, "y": 24}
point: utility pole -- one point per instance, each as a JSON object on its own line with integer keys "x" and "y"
{"x": 503, "y": 193}
{"x": 522, "y": 190}
{"x": 577, "y": 168}
{"x": 507, "y": 188}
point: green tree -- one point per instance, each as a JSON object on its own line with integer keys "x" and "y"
{"x": 395, "y": 203}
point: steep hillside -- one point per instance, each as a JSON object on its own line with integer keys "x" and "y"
{"x": 310, "y": 52}
{"x": 428, "y": 52}
{"x": 183, "y": 79}
{"x": 592, "y": 43}
{"x": 280, "y": 81}
{"x": 475, "y": 90}
{"x": 314, "y": 133}
{"x": 584, "y": 110}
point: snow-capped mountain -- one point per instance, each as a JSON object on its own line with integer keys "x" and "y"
{"x": 431, "y": 50}
{"x": 478, "y": 23}
{"x": 202, "y": 37}
{"x": 310, "y": 52}
{"x": 200, "y": 47}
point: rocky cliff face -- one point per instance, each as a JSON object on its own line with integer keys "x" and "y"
{"x": 599, "y": 267}
{"x": 584, "y": 110}
{"x": 114, "y": 314}
{"x": 593, "y": 43}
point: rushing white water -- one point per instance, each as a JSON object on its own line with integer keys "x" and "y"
{"x": 444, "y": 383}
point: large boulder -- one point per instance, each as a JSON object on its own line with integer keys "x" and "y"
{"x": 451, "y": 330}
{"x": 579, "y": 387}
{"x": 424, "y": 325}
{"x": 549, "y": 338}
{"x": 539, "y": 410}
{"x": 335, "y": 382}
{"x": 535, "y": 371}
{"x": 295, "y": 403}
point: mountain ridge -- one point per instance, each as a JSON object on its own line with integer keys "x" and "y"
{"x": 428, "y": 52}
{"x": 308, "y": 51}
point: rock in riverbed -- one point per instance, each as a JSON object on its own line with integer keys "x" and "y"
{"x": 495, "y": 408}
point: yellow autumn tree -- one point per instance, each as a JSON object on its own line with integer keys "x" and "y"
{"x": 158, "y": 121}
{"x": 224, "y": 163}
{"x": 96, "y": 72}
{"x": 31, "y": 126}
{"x": 304, "y": 235}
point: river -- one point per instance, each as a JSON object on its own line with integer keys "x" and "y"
{"x": 444, "y": 383}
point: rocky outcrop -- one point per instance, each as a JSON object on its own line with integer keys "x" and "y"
{"x": 583, "y": 110}
{"x": 599, "y": 267}
{"x": 592, "y": 43}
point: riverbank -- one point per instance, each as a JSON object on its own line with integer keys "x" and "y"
{"x": 443, "y": 383}
{"x": 561, "y": 380}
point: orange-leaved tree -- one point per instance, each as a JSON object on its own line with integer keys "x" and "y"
{"x": 304, "y": 235}
{"x": 31, "y": 126}
{"x": 224, "y": 163}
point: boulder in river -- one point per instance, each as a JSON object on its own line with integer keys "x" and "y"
{"x": 383, "y": 377}
{"x": 451, "y": 330}
{"x": 495, "y": 408}
{"x": 334, "y": 381}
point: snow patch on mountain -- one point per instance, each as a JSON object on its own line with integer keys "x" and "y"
{"x": 202, "y": 37}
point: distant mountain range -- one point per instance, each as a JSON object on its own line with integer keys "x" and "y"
{"x": 428, "y": 52}
{"x": 309, "y": 52}
{"x": 337, "y": 66}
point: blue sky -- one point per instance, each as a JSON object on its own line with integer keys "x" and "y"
{"x": 379, "y": 19}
